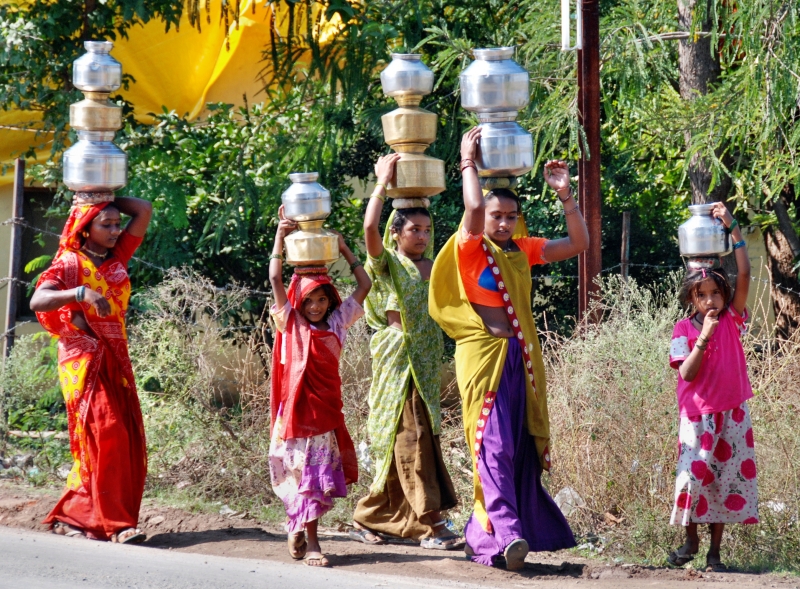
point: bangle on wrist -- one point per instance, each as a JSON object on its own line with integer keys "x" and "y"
{"x": 467, "y": 163}
{"x": 701, "y": 347}
{"x": 569, "y": 196}
{"x": 80, "y": 294}
{"x": 381, "y": 184}
{"x": 732, "y": 226}
{"x": 355, "y": 265}
{"x": 378, "y": 195}
{"x": 739, "y": 244}
{"x": 276, "y": 257}
{"x": 571, "y": 211}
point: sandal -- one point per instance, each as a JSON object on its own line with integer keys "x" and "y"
{"x": 315, "y": 559}
{"x": 129, "y": 536}
{"x": 515, "y": 554}
{"x": 715, "y": 565}
{"x": 62, "y": 529}
{"x": 297, "y": 550}
{"x": 361, "y": 535}
{"x": 448, "y": 542}
{"x": 680, "y": 557}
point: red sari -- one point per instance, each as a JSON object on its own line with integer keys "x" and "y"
{"x": 104, "y": 489}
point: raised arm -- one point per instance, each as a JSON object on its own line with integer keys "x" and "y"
{"x": 363, "y": 283}
{"x": 384, "y": 172}
{"x": 739, "y": 301}
{"x": 474, "y": 205}
{"x": 556, "y": 173}
{"x": 285, "y": 226}
{"x": 140, "y": 211}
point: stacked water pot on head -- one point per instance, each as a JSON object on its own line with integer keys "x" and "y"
{"x": 496, "y": 88}
{"x": 94, "y": 167}
{"x": 308, "y": 203}
{"x": 409, "y": 130}
{"x": 703, "y": 239}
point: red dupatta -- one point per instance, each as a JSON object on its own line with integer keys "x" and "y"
{"x": 307, "y": 384}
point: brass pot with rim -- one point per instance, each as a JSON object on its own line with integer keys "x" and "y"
{"x": 311, "y": 245}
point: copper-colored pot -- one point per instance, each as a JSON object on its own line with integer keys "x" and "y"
{"x": 417, "y": 175}
{"x": 409, "y": 124}
{"x": 96, "y": 113}
{"x": 311, "y": 245}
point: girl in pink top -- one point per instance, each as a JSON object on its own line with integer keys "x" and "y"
{"x": 716, "y": 474}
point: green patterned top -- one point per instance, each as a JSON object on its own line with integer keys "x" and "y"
{"x": 397, "y": 356}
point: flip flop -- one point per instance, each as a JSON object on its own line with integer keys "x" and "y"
{"x": 129, "y": 536}
{"x": 440, "y": 542}
{"x": 360, "y": 535}
{"x": 66, "y": 530}
{"x": 679, "y": 559}
{"x": 715, "y": 565}
{"x": 316, "y": 559}
{"x": 515, "y": 554}
{"x": 297, "y": 550}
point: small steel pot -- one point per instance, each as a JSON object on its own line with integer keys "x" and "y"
{"x": 406, "y": 74}
{"x": 95, "y": 164}
{"x": 703, "y": 235}
{"x": 506, "y": 149}
{"x": 305, "y": 199}
{"x": 97, "y": 71}
{"x": 495, "y": 83}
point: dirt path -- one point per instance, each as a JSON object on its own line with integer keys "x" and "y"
{"x": 174, "y": 529}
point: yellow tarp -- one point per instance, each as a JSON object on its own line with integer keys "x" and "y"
{"x": 180, "y": 70}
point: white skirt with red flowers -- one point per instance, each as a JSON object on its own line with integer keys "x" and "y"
{"x": 716, "y": 475}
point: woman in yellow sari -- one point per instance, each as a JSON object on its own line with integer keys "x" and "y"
{"x": 82, "y": 299}
{"x": 480, "y": 295}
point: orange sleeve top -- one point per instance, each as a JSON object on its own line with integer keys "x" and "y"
{"x": 479, "y": 283}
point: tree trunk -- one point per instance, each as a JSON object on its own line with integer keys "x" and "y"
{"x": 783, "y": 246}
{"x": 786, "y": 304}
{"x": 699, "y": 67}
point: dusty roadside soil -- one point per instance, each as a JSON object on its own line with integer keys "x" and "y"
{"x": 174, "y": 529}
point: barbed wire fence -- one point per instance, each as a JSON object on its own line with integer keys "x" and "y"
{"x": 547, "y": 279}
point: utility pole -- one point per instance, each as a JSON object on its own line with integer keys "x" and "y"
{"x": 589, "y": 262}
{"x": 15, "y": 255}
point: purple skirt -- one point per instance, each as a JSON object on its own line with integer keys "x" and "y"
{"x": 508, "y": 464}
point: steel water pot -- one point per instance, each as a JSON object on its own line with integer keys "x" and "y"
{"x": 495, "y": 83}
{"x": 306, "y": 199}
{"x": 703, "y": 235}
{"x": 97, "y": 71}
{"x": 95, "y": 164}
{"x": 406, "y": 75}
{"x": 506, "y": 149}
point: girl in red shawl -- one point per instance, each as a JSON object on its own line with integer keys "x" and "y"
{"x": 312, "y": 458}
{"x": 81, "y": 299}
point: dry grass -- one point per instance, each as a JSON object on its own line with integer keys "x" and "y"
{"x": 614, "y": 419}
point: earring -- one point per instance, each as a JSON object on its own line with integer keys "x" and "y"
{"x": 394, "y": 236}
{"x": 85, "y": 233}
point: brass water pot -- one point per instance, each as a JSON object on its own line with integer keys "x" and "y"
{"x": 96, "y": 113}
{"x": 417, "y": 175}
{"x": 409, "y": 124}
{"x": 311, "y": 245}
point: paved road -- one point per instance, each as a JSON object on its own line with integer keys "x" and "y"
{"x": 31, "y": 560}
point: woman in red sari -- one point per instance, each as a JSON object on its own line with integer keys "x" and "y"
{"x": 81, "y": 299}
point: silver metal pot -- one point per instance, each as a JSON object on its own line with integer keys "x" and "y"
{"x": 495, "y": 83}
{"x": 703, "y": 235}
{"x": 406, "y": 74}
{"x": 95, "y": 164}
{"x": 506, "y": 149}
{"x": 305, "y": 199}
{"x": 97, "y": 71}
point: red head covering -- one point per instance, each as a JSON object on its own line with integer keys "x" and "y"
{"x": 304, "y": 284}
{"x": 80, "y": 216}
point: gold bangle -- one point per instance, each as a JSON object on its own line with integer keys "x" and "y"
{"x": 378, "y": 195}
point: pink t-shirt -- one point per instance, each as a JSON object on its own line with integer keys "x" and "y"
{"x": 722, "y": 382}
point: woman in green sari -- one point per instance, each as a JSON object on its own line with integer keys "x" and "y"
{"x": 411, "y": 484}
